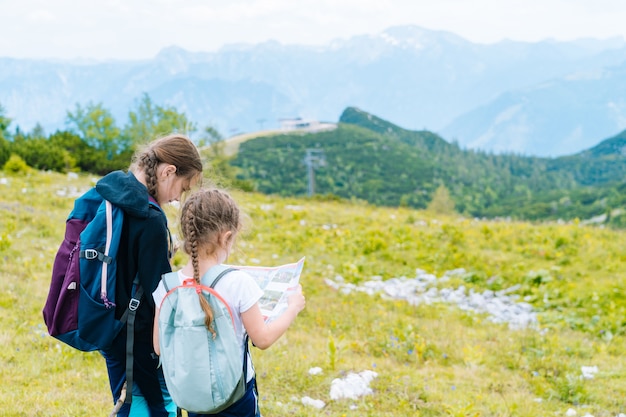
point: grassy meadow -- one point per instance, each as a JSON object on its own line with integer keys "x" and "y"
{"x": 431, "y": 360}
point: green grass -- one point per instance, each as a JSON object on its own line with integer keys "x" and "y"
{"x": 431, "y": 360}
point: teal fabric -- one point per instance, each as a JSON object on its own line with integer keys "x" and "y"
{"x": 202, "y": 373}
{"x": 139, "y": 407}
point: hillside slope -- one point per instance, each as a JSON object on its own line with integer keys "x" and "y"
{"x": 430, "y": 358}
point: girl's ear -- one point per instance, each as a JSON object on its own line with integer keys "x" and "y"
{"x": 226, "y": 237}
{"x": 168, "y": 170}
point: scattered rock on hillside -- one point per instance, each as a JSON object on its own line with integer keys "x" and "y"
{"x": 423, "y": 289}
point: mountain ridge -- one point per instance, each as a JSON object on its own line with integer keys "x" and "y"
{"x": 416, "y": 77}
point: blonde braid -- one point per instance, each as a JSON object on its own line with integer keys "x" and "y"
{"x": 205, "y": 216}
{"x": 192, "y": 233}
{"x": 150, "y": 162}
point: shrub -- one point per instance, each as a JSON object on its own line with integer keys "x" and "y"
{"x": 16, "y": 165}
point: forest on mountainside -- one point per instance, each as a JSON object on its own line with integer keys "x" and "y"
{"x": 371, "y": 159}
{"x": 364, "y": 159}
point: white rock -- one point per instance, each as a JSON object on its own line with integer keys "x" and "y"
{"x": 313, "y": 403}
{"x": 589, "y": 372}
{"x": 315, "y": 370}
{"x": 352, "y": 386}
{"x": 500, "y": 306}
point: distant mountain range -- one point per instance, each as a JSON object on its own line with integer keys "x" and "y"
{"x": 546, "y": 99}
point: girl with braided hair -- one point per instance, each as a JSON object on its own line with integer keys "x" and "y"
{"x": 160, "y": 173}
{"x": 210, "y": 221}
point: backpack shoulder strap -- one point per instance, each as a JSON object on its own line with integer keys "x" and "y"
{"x": 215, "y": 274}
{"x": 220, "y": 271}
{"x": 220, "y": 276}
{"x": 170, "y": 280}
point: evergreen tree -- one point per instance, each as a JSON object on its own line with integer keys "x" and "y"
{"x": 441, "y": 202}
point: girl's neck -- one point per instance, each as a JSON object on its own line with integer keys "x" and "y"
{"x": 204, "y": 264}
{"x": 140, "y": 176}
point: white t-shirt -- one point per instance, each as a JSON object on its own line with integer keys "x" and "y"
{"x": 240, "y": 291}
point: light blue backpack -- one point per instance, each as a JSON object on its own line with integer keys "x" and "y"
{"x": 203, "y": 374}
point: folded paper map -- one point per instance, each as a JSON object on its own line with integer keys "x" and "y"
{"x": 276, "y": 282}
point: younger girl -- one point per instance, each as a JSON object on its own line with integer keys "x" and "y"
{"x": 210, "y": 220}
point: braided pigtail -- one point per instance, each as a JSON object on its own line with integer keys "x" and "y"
{"x": 150, "y": 163}
{"x": 205, "y": 218}
{"x": 191, "y": 228}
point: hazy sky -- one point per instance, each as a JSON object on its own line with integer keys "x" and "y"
{"x": 134, "y": 29}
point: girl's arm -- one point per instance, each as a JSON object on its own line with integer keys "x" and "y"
{"x": 262, "y": 334}
{"x": 155, "y": 333}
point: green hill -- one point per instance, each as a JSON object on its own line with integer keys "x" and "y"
{"x": 371, "y": 159}
{"x": 357, "y": 164}
{"x": 611, "y": 147}
{"x": 603, "y": 164}
{"x": 423, "y": 139}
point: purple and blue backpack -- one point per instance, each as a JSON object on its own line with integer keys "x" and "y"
{"x": 80, "y": 309}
